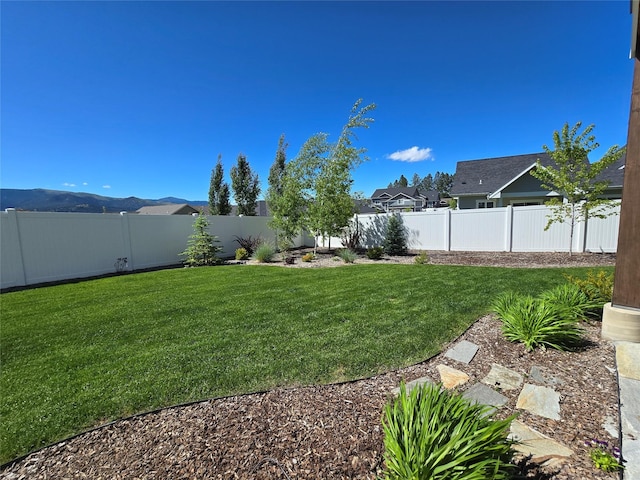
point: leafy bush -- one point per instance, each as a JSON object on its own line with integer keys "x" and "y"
{"x": 375, "y": 253}
{"x": 249, "y": 244}
{"x": 395, "y": 242}
{"x": 264, "y": 252}
{"x": 571, "y": 298}
{"x": 598, "y": 286}
{"x": 536, "y": 322}
{"x": 347, "y": 256}
{"x": 201, "y": 249}
{"x": 307, "y": 257}
{"x": 432, "y": 433}
{"x": 241, "y": 254}
{"x": 421, "y": 258}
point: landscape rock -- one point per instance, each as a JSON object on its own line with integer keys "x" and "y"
{"x": 539, "y": 400}
{"x": 463, "y": 351}
{"x": 503, "y": 378}
{"x": 450, "y": 377}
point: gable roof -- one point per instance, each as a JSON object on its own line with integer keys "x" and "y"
{"x": 168, "y": 209}
{"x": 614, "y": 173}
{"x": 486, "y": 176}
{"x": 394, "y": 192}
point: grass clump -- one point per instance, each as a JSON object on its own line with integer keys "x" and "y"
{"x": 347, "y": 255}
{"x": 537, "y": 322}
{"x": 571, "y": 299}
{"x": 375, "y": 253}
{"x": 432, "y": 433}
{"x": 264, "y": 253}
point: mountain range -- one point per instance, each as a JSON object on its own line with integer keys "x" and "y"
{"x": 42, "y": 200}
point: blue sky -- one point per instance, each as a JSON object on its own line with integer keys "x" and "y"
{"x": 139, "y": 98}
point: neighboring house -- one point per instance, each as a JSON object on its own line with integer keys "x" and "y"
{"x": 503, "y": 181}
{"x": 168, "y": 209}
{"x": 398, "y": 199}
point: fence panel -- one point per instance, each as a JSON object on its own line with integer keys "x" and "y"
{"x": 602, "y": 234}
{"x": 478, "y": 229}
{"x": 529, "y": 234}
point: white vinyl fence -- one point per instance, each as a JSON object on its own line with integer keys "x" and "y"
{"x": 38, "y": 247}
{"x": 507, "y": 229}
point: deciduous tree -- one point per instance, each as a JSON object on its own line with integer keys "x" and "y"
{"x": 218, "y": 191}
{"x": 246, "y": 187}
{"x": 574, "y": 178}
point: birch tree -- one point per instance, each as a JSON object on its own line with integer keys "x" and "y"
{"x": 573, "y": 177}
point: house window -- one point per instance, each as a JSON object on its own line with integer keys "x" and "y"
{"x": 524, "y": 204}
{"x": 485, "y": 204}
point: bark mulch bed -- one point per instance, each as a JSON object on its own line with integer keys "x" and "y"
{"x": 334, "y": 431}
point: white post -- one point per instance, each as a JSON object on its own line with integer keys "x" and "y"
{"x": 13, "y": 219}
{"x": 508, "y": 229}
{"x": 447, "y": 230}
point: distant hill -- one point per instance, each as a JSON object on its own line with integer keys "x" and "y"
{"x": 42, "y": 200}
{"x": 193, "y": 203}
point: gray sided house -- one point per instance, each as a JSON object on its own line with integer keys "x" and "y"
{"x": 404, "y": 199}
{"x": 503, "y": 181}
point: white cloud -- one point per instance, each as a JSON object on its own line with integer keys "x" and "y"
{"x": 413, "y": 154}
{"x": 106, "y": 186}
{"x": 85, "y": 184}
{"x": 67, "y": 184}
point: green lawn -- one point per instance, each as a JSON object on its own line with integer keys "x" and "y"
{"x": 77, "y": 355}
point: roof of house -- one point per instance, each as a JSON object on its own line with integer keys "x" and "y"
{"x": 482, "y": 177}
{"x": 168, "y": 209}
{"x": 614, "y": 173}
{"x": 431, "y": 195}
{"x": 393, "y": 192}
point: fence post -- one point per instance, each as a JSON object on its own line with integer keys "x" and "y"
{"x": 13, "y": 218}
{"x": 508, "y": 229}
{"x": 126, "y": 240}
{"x": 447, "y": 230}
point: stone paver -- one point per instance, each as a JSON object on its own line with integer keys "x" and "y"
{"x": 450, "y": 377}
{"x": 503, "y": 378}
{"x": 479, "y": 393}
{"x": 540, "y": 375}
{"x": 539, "y": 400}
{"x": 630, "y": 423}
{"x": 628, "y": 359}
{"x": 463, "y": 351}
{"x": 542, "y": 449}
{"x": 413, "y": 384}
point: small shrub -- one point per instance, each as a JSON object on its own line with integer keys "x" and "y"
{"x": 395, "y": 241}
{"x": 421, "y": 258}
{"x": 536, "y": 322}
{"x": 249, "y": 244}
{"x": 307, "y": 257}
{"x": 598, "y": 286}
{"x": 375, "y": 253}
{"x": 573, "y": 300}
{"x": 264, "y": 252}
{"x": 241, "y": 254}
{"x": 347, "y": 256}
{"x": 432, "y": 433}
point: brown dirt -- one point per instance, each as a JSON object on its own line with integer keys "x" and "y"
{"x": 334, "y": 431}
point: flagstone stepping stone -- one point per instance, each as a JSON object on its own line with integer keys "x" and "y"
{"x": 463, "y": 351}
{"x": 451, "y": 377}
{"x": 413, "y": 384}
{"x": 503, "y": 378}
{"x": 539, "y": 400}
{"x": 479, "y": 393}
{"x": 610, "y": 426}
{"x": 543, "y": 450}
{"x": 541, "y": 375}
